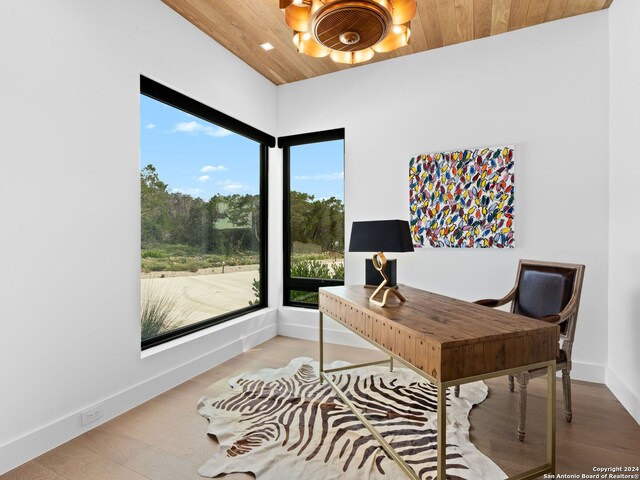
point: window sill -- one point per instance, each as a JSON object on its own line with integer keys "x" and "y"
{"x": 151, "y": 351}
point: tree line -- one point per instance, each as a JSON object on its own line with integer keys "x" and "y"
{"x": 228, "y": 224}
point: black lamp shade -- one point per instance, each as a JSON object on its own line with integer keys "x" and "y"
{"x": 381, "y": 236}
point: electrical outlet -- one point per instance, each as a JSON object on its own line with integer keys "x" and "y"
{"x": 92, "y": 414}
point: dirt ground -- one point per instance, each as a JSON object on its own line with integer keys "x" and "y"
{"x": 206, "y": 293}
{"x": 200, "y": 296}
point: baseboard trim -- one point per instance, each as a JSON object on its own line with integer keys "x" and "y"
{"x": 331, "y": 335}
{"x": 33, "y": 444}
{"x": 303, "y": 323}
{"x": 588, "y": 372}
{"x": 624, "y": 394}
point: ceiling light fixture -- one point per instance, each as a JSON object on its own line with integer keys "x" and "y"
{"x": 266, "y": 46}
{"x": 349, "y": 31}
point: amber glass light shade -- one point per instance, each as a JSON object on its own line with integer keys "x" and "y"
{"x": 352, "y": 57}
{"x": 307, "y": 45}
{"x": 297, "y": 17}
{"x": 398, "y": 37}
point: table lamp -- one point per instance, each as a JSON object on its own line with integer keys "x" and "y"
{"x": 381, "y": 236}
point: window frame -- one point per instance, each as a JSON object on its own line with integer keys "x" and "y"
{"x": 168, "y": 96}
{"x": 295, "y": 283}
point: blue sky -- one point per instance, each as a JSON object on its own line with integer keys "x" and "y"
{"x": 318, "y": 169}
{"x": 201, "y": 159}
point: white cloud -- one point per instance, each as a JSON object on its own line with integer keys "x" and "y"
{"x": 196, "y": 128}
{"x": 213, "y": 168}
{"x": 204, "y": 178}
{"x": 323, "y": 176}
{"x": 151, "y": 126}
{"x": 231, "y": 186}
{"x": 187, "y": 127}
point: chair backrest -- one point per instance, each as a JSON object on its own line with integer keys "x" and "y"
{"x": 545, "y": 288}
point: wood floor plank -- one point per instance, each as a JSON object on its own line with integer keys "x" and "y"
{"x": 31, "y": 471}
{"x": 166, "y": 438}
{"x": 74, "y": 461}
{"x": 113, "y": 445}
{"x": 191, "y": 443}
{"x": 162, "y": 465}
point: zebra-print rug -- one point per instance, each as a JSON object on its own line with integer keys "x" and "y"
{"x": 282, "y": 424}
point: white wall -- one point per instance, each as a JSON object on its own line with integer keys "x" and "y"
{"x": 544, "y": 89}
{"x": 623, "y": 375}
{"x": 69, "y": 188}
{"x": 69, "y": 196}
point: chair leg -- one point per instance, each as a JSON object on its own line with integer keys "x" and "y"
{"x": 510, "y": 378}
{"x": 456, "y": 390}
{"x": 566, "y": 388}
{"x": 523, "y": 381}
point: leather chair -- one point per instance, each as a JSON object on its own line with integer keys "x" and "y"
{"x": 549, "y": 292}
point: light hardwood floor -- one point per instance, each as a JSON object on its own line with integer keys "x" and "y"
{"x": 165, "y": 438}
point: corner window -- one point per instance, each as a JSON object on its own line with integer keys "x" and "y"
{"x": 313, "y": 214}
{"x": 203, "y": 226}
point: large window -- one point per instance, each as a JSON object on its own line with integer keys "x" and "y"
{"x": 313, "y": 214}
{"x": 203, "y": 223}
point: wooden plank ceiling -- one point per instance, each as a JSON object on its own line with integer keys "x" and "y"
{"x": 242, "y": 25}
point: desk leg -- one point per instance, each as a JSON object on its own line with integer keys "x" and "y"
{"x": 551, "y": 417}
{"x": 442, "y": 432}
{"x": 321, "y": 367}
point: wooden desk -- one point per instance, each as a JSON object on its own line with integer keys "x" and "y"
{"x": 449, "y": 342}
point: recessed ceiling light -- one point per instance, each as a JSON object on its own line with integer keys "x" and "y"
{"x": 266, "y": 46}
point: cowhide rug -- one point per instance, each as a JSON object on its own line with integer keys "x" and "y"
{"x": 282, "y": 424}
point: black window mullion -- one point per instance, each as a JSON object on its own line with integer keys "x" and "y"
{"x": 286, "y": 209}
{"x": 296, "y": 283}
{"x": 164, "y": 94}
{"x": 161, "y": 93}
{"x": 309, "y": 284}
{"x": 264, "y": 224}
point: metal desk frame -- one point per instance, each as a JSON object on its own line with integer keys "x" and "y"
{"x": 548, "y": 467}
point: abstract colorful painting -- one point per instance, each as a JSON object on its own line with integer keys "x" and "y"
{"x": 462, "y": 199}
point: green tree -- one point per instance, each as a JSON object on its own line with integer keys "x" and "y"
{"x": 215, "y": 240}
{"x": 195, "y": 224}
{"x": 301, "y": 216}
{"x": 244, "y": 211}
{"x": 181, "y": 227}
{"x": 333, "y": 235}
{"x": 319, "y": 222}
{"x": 154, "y": 200}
